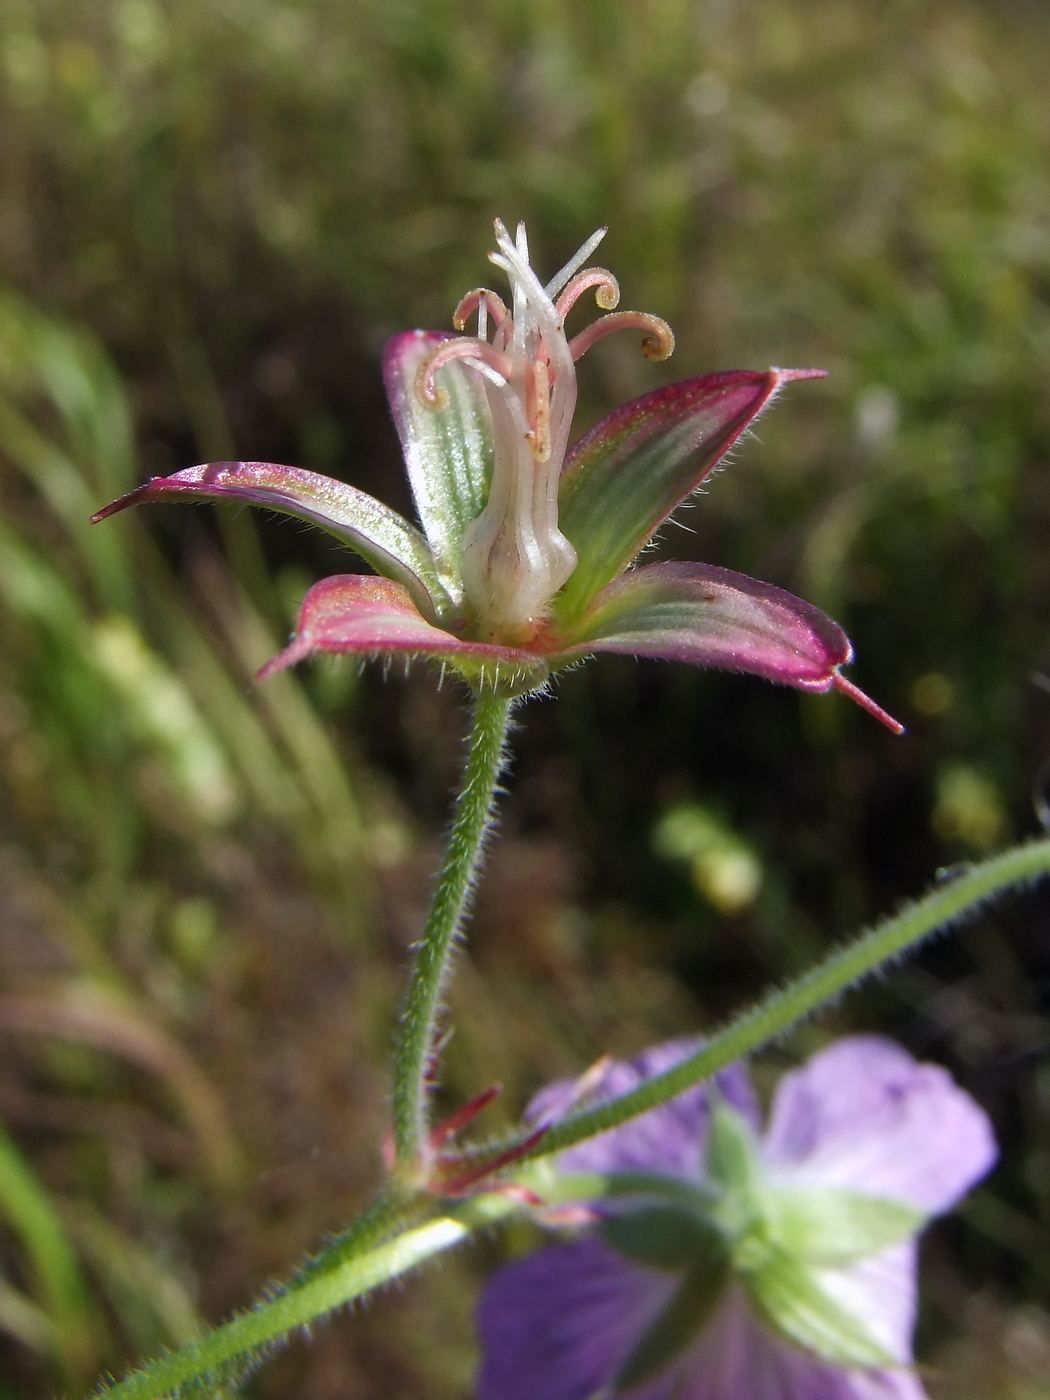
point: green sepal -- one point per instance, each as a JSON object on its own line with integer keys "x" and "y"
{"x": 733, "y": 1169}
{"x": 661, "y": 1236}
{"x": 797, "y": 1303}
{"x": 382, "y": 537}
{"x": 832, "y": 1226}
{"x": 679, "y": 1322}
{"x": 448, "y": 450}
{"x": 626, "y": 476}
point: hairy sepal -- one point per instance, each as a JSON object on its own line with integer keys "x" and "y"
{"x": 381, "y": 536}
{"x": 626, "y": 476}
{"x": 357, "y": 615}
{"x": 448, "y": 450}
{"x": 714, "y": 617}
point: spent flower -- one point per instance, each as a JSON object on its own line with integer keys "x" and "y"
{"x": 523, "y": 564}
{"x": 735, "y": 1265}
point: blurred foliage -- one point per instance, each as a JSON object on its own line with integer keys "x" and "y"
{"x": 211, "y": 215}
{"x": 722, "y": 866}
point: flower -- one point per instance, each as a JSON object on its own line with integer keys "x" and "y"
{"x": 523, "y": 563}
{"x": 780, "y": 1268}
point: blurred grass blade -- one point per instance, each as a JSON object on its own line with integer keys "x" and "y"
{"x": 159, "y": 705}
{"x": 90, "y": 1016}
{"x": 59, "y": 1282}
{"x": 153, "y": 1307}
{"x": 26, "y": 1321}
{"x": 336, "y": 828}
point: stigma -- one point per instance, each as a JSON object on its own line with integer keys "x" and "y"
{"x": 515, "y": 558}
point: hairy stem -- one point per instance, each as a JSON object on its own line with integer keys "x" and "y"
{"x": 227, "y": 1352}
{"x": 388, "y": 1241}
{"x": 960, "y": 898}
{"x": 473, "y": 816}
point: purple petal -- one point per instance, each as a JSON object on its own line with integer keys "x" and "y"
{"x": 360, "y": 615}
{"x": 739, "y": 1358}
{"x": 625, "y": 477}
{"x": 558, "y": 1324}
{"x": 670, "y": 1139}
{"x": 448, "y": 451}
{"x": 864, "y": 1115}
{"x": 714, "y": 617}
{"x": 385, "y": 539}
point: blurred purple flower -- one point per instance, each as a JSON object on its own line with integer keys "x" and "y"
{"x": 863, "y": 1145}
{"x": 523, "y": 563}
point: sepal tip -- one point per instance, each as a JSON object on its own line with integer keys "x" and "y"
{"x": 854, "y": 692}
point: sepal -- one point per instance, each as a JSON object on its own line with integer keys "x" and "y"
{"x": 715, "y": 617}
{"x": 626, "y": 476}
{"x": 798, "y": 1303}
{"x": 353, "y": 614}
{"x": 380, "y": 535}
{"x": 679, "y": 1323}
{"x": 662, "y": 1236}
{"x": 448, "y": 450}
{"x": 829, "y": 1226}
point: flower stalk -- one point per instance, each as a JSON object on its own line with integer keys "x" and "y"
{"x": 414, "y": 1065}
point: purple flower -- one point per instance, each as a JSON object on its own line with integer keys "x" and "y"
{"x": 523, "y": 563}
{"x": 792, "y": 1277}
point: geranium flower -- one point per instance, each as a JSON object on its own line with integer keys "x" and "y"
{"x": 773, "y": 1268}
{"x": 523, "y": 563}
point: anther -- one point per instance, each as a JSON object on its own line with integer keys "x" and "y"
{"x": 539, "y": 408}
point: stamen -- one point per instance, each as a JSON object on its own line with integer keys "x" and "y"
{"x": 479, "y": 300}
{"x": 574, "y": 264}
{"x": 607, "y": 295}
{"x": 461, "y": 348}
{"x": 539, "y": 410}
{"x": 658, "y": 344}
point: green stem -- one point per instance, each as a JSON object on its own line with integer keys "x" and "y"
{"x": 960, "y": 898}
{"x": 473, "y": 817}
{"x": 232, "y": 1348}
{"x": 361, "y": 1259}
{"x": 227, "y": 1351}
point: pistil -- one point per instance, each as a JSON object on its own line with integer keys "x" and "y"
{"x": 515, "y": 558}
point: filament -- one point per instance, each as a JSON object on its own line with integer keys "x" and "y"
{"x": 539, "y": 411}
